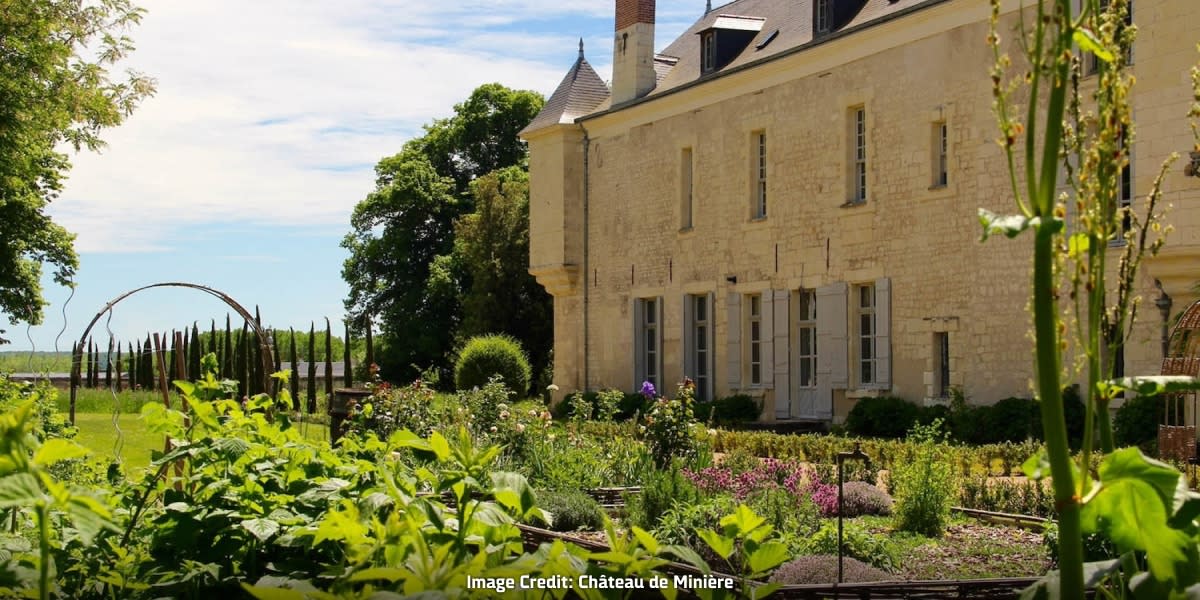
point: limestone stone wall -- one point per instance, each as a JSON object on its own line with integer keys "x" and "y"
{"x": 907, "y": 75}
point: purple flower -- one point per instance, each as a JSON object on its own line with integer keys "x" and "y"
{"x": 648, "y": 390}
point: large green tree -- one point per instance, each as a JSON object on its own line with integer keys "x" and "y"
{"x": 401, "y": 269}
{"x": 492, "y": 246}
{"x": 56, "y": 91}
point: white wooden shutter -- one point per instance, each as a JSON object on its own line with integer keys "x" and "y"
{"x": 711, "y": 355}
{"x": 689, "y": 341}
{"x": 833, "y": 353}
{"x": 660, "y": 335}
{"x": 782, "y": 323}
{"x": 766, "y": 343}
{"x": 733, "y": 340}
{"x": 639, "y": 344}
{"x": 883, "y": 325}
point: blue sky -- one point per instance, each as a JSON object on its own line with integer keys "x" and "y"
{"x": 242, "y": 171}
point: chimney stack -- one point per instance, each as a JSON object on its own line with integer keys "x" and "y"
{"x": 633, "y": 50}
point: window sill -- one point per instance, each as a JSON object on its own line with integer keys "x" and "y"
{"x": 939, "y": 187}
{"x": 762, "y": 219}
{"x": 853, "y": 204}
{"x": 686, "y": 230}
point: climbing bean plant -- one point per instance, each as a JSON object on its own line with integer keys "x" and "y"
{"x": 1140, "y": 504}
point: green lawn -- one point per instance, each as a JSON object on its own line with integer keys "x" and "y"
{"x": 98, "y": 433}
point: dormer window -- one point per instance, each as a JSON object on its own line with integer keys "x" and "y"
{"x": 821, "y": 16}
{"x": 708, "y": 52}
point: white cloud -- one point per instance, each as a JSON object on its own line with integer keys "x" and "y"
{"x": 274, "y": 112}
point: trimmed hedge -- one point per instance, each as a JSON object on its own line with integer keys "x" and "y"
{"x": 731, "y": 410}
{"x": 489, "y": 355}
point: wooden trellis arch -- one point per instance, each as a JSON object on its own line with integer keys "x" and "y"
{"x": 268, "y": 359}
{"x": 1177, "y": 436}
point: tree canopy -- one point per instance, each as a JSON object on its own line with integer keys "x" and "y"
{"x": 55, "y": 90}
{"x": 404, "y": 269}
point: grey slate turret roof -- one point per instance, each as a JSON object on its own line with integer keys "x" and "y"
{"x": 580, "y": 92}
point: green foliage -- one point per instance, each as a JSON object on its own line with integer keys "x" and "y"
{"x": 402, "y": 269}
{"x": 926, "y": 487}
{"x": 58, "y": 92}
{"x": 47, "y": 422}
{"x": 491, "y": 245}
{"x": 680, "y": 523}
{"x": 571, "y": 510}
{"x": 875, "y": 550}
{"x": 732, "y": 410}
{"x": 485, "y": 357}
{"x": 669, "y": 428}
{"x": 389, "y": 409}
{"x": 1016, "y": 496}
{"x": 661, "y": 491}
{"x": 882, "y": 416}
{"x": 481, "y": 406}
{"x": 1137, "y": 420}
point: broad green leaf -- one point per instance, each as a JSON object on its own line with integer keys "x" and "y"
{"x": 1088, "y": 42}
{"x": 720, "y": 544}
{"x": 1131, "y": 506}
{"x": 764, "y": 590}
{"x": 743, "y": 520}
{"x": 407, "y": 439}
{"x": 1037, "y": 467}
{"x": 58, "y": 449}
{"x": 186, "y": 387}
{"x": 646, "y": 540}
{"x": 440, "y": 447}
{"x": 19, "y": 489}
{"x": 690, "y": 556}
{"x": 768, "y": 556}
{"x": 262, "y": 529}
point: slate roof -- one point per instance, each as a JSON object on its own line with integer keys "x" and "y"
{"x": 787, "y": 24}
{"x": 579, "y": 93}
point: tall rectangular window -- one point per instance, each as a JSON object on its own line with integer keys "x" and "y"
{"x": 867, "y": 335}
{"x": 755, "y": 339}
{"x": 1091, "y": 62}
{"x": 859, "y": 145}
{"x": 701, "y": 352}
{"x": 685, "y": 188}
{"x": 941, "y": 359}
{"x": 806, "y": 339}
{"x": 941, "y": 158}
{"x": 760, "y": 175}
{"x": 821, "y": 16}
{"x": 1125, "y": 194}
{"x": 648, "y": 341}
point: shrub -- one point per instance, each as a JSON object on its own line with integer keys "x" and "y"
{"x": 1011, "y": 420}
{"x": 669, "y": 427}
{"x": 924, "y": 488}
{"x": 1096, "y": 547}
{"x": 628, "y": 405}
{"x": 661, "y": 491}
{"x": 486, "y": 356}
{"x": 876, "y": 550}
{"x": 731, "y": 410}
{"x": 1021, "y": 496}
{"x": 1137, "y": 420}
{"x": 679, "y": 524}
{"x": 571, "y": 510}
{"x": 388, "y": 410}
{"x": 860, "y": 498}
{"x": 824, "y": 569}
{"x": 882, "y": 416}
{"x": 794, "y": 517}
{"x": 479, "y": 408}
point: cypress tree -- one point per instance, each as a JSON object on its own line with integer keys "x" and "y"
{"x": 312, "y": 368}
{"x": 170, "y": 358}
{"x": 147, "y": 373}
{"x": 239, "y": 362}
{"x": 119, "y": 370}
{"x": 194, "y": 354}
{"x": 328, "y": 362}
{"x": 88, "y": 381}
{"x": 133, "y": 368}
{"x": 347, "y": 374}
{"x": 212, "y": 340}
{"x": 108, "y": 366}
{"x": 227, "y": 355}
{"x": 294, "y": 380}
{"x": 275, "y": 350}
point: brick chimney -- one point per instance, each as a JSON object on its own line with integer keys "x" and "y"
{"x": 633, "y": 50}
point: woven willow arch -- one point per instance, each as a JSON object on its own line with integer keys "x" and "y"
{"x": 1177, "y": 436}
{"x": 268, "y": 360}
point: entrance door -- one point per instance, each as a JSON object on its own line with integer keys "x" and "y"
{"x": 804, "y": 399}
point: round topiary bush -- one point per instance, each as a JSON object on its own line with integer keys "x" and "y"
{"x": 488, "y": 355}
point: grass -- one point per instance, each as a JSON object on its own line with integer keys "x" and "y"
{"x": 970, "y": 549}
{"x": 14, "y": 361}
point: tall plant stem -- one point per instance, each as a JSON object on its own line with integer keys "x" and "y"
{"x": 1070, "y": 549}
{"x": 43, "y": 519}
